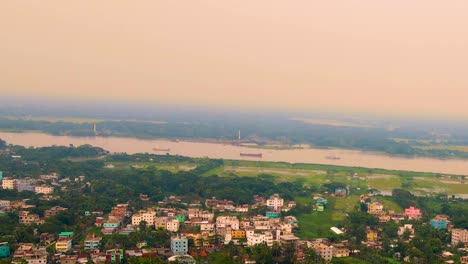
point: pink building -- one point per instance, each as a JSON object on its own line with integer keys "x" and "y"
{"x": 413, "y": 212}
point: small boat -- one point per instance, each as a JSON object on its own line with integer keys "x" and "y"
{"x": 254, "y": 155}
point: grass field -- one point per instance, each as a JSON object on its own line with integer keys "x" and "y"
{"x": 172, "y": 167}
{"x": 448, "y": 147}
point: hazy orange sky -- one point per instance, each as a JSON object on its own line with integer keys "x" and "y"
{"x": 357, "y": 55}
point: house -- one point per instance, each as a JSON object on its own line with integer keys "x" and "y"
{"x": 403, "y": 229}
{"x": 160, "y": 222}
{"x": 179, "y": 245}
{"x": 71, "y": 259}
{"x": 321, "y": 200}
{"x": 184, "y": 259}
{"x": 275, "y": 202}
{"x": 4, "y": 250}
{"x": 464, "y": 260}
{"x": 341, "y": 192}
{"x": 459, "y": 236}
{"x": 92, "y": 242}
{"x": 207, "y": 226}
{"x": 440, "y": 222}
{"x": 114, "y": 255}
{"x": 319, "y": 207}
{"x": 413, "y": 213}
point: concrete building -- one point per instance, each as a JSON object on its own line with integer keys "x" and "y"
{"x": 179, "y": 245}
{"x": 143, "y": 215}
{"x": 92, "y": 242}
{"x": 375, "y": 207}
{"x": 173, "y": 225}
{"x": 324, "y": 251}
{"x": 27, "y": 218}
{"x": 275, "y": 202}
{"x": 440, "y": 222}
{"x": 259, "y": 238}
{"x": 160, "y": 222}
{"x": 227, "y": 221}
{"x": 5, "y": 204}
{"x": 403, "y": 229}
{"x": 26, "y": 184}
{"x": 54, "y": 211}
{"x": 30, "y": 253}
{"x": 459, "y": 235}
{"x": 413, "y": 213}
{"x": 9, "y": 183}
{"x": 44, "y": 189}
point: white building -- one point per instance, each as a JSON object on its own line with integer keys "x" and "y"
{"x": 26, "y": 184}
{"x": 255, "y": 239}
{"x": 146, "y": 216}
{"x": 44, "y": 189}
{"x": 173, "y": 225}
{"x": 275, "y": 202}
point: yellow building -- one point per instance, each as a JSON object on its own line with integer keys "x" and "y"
{"x": 371, "y": 235}
{"x": 238, "y": 233}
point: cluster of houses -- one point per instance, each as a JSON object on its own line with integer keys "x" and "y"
{"x": 406, "y": 231}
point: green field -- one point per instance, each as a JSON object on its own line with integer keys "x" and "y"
{"x": 172, "y": 167}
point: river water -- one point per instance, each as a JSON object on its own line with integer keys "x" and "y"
{"x": 212, "y": 150}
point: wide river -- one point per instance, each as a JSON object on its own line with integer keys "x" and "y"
{"x": 213, "y": 150}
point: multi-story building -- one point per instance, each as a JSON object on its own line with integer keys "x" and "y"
{"x": 44, "y": 189}
{"x": 30, "y": 253}
{"x": 440, "y": 222}
{"x": 375, "y": 208}
{"x": 92, "y": 242}
{"x": 26, "y": 184}
{"x": 324, "y": 251}
{"x": 371, "y": 235}
{"x": 227, "y": 221}
{"x": 27, "y": 218}
{"x": 207, "y": 226}
{"x": 64, "y": 242}
{"x": 53, "y": 211}
{"x": 261, "y": 222}
{"x": 179, "y": 245}
{"x": 173, "y": 225}
{"x": 146, "y": 216}
{"x": 160, "y": 222}
{"x": 275, "y": 202}
{"x": 340, "y": 251}
{"x": 259, "y": 238}
{"x": 9, "y": 183}
{"x": 413, "y": 213}
{"x": 459, "y": 235}
{"x": 238, "y": 233}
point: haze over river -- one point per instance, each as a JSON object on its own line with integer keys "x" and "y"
{"x": 212, "y": 150}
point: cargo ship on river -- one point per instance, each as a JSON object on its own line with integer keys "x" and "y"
{"x": 253, "y": 155}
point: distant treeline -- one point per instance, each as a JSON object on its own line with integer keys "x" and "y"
{"x": 283, "y": 130}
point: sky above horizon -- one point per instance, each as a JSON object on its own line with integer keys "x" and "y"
{"x": 399, "y": 57}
